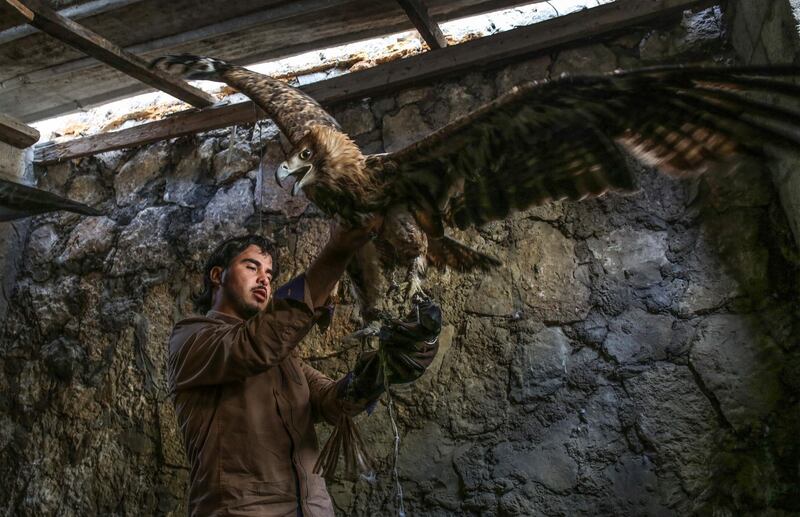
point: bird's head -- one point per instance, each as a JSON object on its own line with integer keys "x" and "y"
{"x": 324, "y": 159}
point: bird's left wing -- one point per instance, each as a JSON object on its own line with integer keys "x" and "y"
{"x": 566, "y": 138}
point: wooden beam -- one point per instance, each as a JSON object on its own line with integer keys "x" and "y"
{"x": 71, "y": 33}
{"x": 417, "y": 12}
{"x": 73, "y": 12}
{"x": 14, "y": 132}
{"x": 490, "y": 51}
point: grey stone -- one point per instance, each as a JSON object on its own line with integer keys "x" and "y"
{"x": 141, "y": 245}
{"x": 460, "y": 102}
{"x": 41, "y": 244}
{"x": 52, "y": 302}
{"x": 403, "y": 128}
{"x": 93, "y": 236}
{"x": 413, "y": 95}
{"x": 87, "y": 189}
{"x": 356, "y": 120}
{"x": 597, "y": 58}
{"x": 54, "y": 178}
{"x": 677, "y": 421}
{"x": 64, "y": 358}
{"x": 710, "y": 284}
{"x": 145, "y": 166}
{"x": 539, "y": 366}
{"x": 431, "y": 444}
{"x": 637, "y": 336}
{"x": 634, "y": 255}
{"x": 740, "y": 367}
{"x": 183, "y": 178}
{"x": 699, "y": 30}
{"x": 521, "y": 73}
{"x": 548, "y": 464}
{"x": 232, "y": 163}
{"x": 546, "y": 274}
{"x": 633, "y": 480}
{"x": 224, "y": 217}
{"x": 493, "y": 297}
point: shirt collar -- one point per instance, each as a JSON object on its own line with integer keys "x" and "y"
{"x": 227, "y": 318}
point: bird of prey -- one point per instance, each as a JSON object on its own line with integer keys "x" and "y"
{"x": 566, "y": 138}
{"x": 18, "y": 201}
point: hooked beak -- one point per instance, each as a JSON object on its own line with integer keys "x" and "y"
{"x": 303, "y": 176}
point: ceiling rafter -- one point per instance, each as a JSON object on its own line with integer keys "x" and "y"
{"x": 75, "y": 12}
{"x": 417, "y": 12}
{"x": 498, "y": 49}
{"x": 45, "y": 19}
{"x": 15, "y": 133}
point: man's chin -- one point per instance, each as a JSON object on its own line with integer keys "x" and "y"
{"x": 249, "y": 310}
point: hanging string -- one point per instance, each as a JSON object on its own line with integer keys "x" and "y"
{"x": 259, "y": 195}
{"x": 401, "y": 509}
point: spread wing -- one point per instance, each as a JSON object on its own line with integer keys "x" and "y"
{"x": 17, "y": 201}
{"x": 568, "y": 138}
{"x": 292, "y": 110}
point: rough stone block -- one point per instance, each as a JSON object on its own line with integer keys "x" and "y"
{"x": 636, "y": 336}
{"x": 739, "y": 366}
{"x": 539, "y": 366}
{"x": 546, "y": 273}
{"x": 631, "y": 254}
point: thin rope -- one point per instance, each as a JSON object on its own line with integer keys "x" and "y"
{"x": 401, "y": 509}
{"x": 260, "y": 176}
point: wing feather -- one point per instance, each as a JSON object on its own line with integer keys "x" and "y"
{"x": 567, "y": 138}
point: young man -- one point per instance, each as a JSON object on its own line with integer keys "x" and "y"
{"x": 246, "y": 404}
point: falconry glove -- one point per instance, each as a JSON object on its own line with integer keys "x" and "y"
{"x": 407, "y": 347}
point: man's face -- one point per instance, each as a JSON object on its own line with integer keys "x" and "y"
{"x": 246, "y": 283}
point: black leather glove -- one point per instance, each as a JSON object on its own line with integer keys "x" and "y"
{"x": 407, "y": 347}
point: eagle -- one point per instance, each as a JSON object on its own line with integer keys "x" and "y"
{"x": 544, "y": 141}
{"x": 18, "y": 201}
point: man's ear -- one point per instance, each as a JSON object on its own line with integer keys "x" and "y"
{"x": 215, "y": 275}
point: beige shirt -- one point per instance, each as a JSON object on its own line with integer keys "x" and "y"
{"x": 246, "y": 405}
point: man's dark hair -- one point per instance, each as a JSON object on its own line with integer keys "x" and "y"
{"x": 223, "y": 255}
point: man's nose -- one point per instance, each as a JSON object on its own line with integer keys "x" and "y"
{"x": 263, "y": 279}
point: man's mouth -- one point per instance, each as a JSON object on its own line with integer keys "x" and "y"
{"x": 260, "y": 293}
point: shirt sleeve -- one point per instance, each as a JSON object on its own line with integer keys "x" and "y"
{"x": 206, "y": 352}
{"x": 327, "y": 404}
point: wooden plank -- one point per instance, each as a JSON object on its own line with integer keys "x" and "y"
{"x": 14, "y": 132}
{"x": 74, "y": 12}
{"x": 56, "y": 87}
{"x": 417, "y": 12}
{"x": 70, "y": 32}
{"x": 485, "y": 52}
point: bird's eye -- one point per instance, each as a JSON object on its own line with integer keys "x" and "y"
{"x": 305, "y": 154}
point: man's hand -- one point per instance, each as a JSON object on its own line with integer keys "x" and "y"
{"x": 348, "y": 240}
{"x": 329, "y": 266}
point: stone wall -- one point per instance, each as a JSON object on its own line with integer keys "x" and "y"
{"x": 636, "y": 355}
{"x": 14, "y": 166}
{"x": 768, "y": 31}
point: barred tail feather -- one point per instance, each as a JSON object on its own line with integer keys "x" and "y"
{"x": 190, "y": 66}
{"x": 449, "y": 252}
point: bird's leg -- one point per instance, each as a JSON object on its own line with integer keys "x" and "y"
{"x": 374, "y": 320}
{"x": 414, "y": 279}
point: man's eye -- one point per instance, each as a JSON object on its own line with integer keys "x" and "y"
{"x": 251, "y": 268}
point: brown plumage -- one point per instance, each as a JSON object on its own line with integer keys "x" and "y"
{"x": 544, "y": 141}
